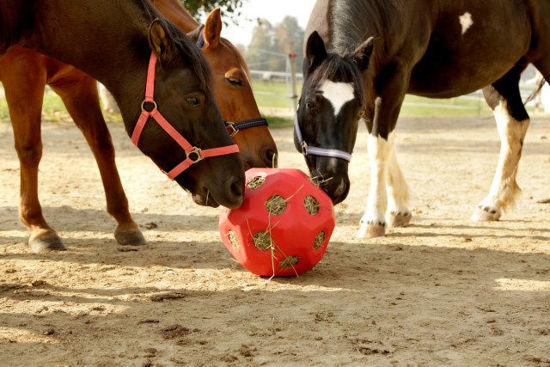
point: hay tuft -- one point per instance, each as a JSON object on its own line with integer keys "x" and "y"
{"x": 312, "y": 205}
{"x": 276, "y": 205}
{"x": 318, "y": 242}
{"x": 256, "y": 182}
{"x": 289, "y": 262}
{"x": 233, "y": 239}
{"x": 262, "y": 241}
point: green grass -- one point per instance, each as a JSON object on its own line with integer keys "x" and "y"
{"x": 413, "y": 106}
{"x": 54, "y": 110}
{"x": 279, "y": 122}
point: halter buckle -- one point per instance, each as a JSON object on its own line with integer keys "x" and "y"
{"x": 231, "y": 129}
{"x": 194, "y": 155}
{"x": 304, "y": 148}
{"x": 143, "y": 109}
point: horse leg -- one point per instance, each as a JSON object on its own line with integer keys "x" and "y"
{"x": 386, "y": 112}
{"x": 24, "y": 91}
{"x": 398, "y": 192}
{"x": 512, "y": 119}
{"x": 80, "y": 96}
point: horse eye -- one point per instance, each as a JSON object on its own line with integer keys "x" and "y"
{"x": 234, "y": 82}
{"x": 192, "y": 101}
{"x": 310, "y": 105}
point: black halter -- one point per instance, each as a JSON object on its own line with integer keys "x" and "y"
{"x": 233, "y": 128}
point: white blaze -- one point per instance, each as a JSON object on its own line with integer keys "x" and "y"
{"x": 338, "y": 94}
{"x": 466, "y": 21}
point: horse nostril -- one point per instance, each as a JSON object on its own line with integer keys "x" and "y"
{"x": 236, "y": 188}
{"x": 270, "y": 157}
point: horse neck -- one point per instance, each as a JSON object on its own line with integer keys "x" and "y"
{"x": 91, "y": 36}
{"x": 175, "y": 13}
{"x": 352, "y": 22}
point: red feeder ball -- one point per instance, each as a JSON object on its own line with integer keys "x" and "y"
{"x": 283, "y": 226}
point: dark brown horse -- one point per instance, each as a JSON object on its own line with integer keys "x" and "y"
{"x": 93, "y": 38}
{"x": 363, "y": 56}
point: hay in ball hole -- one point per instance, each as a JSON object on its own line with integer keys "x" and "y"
{"x": 276, "y": 205}
{"x": 289, "y": 262}
{"x": 312, "y": 205}
{"x": 318, "y": 242}
{"x": 262, "y": 241}
{"x": 256, "y": 182}
{"x": 233, "y": 238}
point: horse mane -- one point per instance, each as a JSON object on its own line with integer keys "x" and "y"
{"x": 183, "y": 46}
{"x": 15, "y": 18}
{"x": 341, "y": 68}
{"x": 352, "y": 22}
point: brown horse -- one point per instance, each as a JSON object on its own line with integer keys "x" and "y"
{"x": 231, "y": 81}
{"x": 364, "y": 56}
{"x": 116, "y": 53}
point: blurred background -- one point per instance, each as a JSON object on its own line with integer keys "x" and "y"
{"x": 270, "y": 34}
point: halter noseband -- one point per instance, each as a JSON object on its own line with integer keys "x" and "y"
{"x": 322, "y": 152}
{"x": 193, "y": 154}
{"x": 233, "y": 128}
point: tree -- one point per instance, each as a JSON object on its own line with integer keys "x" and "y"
{"x": 262, "y": 49}
{"x": 230, "y": 8}
{"x": 270, "y": 46}
{"x": 289, "y": 36}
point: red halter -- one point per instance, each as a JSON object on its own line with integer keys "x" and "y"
{"x": 194, "y": 154}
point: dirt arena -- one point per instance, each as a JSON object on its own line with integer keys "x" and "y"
{"x": 444, "y": 291}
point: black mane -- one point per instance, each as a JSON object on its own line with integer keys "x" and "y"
{"x": 352, "y": 22}
{"x": 341, "y": 69}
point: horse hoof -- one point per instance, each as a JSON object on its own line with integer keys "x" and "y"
{"x": 130, "y": 238}
{"x": 486, "y": 214}
{"x": 46, "y": 242}
{"x": 399, "y": 219}
{"x": 372, "y": 230}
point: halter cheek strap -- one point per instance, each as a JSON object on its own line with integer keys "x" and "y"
{"x": 193, "y": 154}
{"x": 233, "y": 128}
{"x": 322, "y": 152}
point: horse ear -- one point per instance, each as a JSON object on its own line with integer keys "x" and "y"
{"x": 213, "y": 28}
{"x": 159, "y": 39}
{"x": 316, "y": 51}
{"x": 363, "y": 53}
{"x": 195, "y": 34}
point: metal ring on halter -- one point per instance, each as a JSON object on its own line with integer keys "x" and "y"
{"x": 195, "y": 151}
{"x": 231, "y": 129}
{"x": 155, "y": 107}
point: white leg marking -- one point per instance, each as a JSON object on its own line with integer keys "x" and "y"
{"x": 504, "y": 187}
{"x": 338, "y": 94}
{"x": 466, "y": 22}
{"x": 398, "y": 191}
{"x": 375, "y": 212}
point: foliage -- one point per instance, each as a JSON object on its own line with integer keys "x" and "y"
{"x": 230, "y": 8}
{"x": 270, "y": 45}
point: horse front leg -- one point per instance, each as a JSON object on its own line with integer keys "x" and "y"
{"x": 386, "y": 176}
{"x": 80, "y": 96}
{"x": 24, "y": 89}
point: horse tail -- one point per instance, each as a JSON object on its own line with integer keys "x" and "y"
{"x": 536, "y": 92}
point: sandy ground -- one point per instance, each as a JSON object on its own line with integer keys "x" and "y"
{"x": 444, "y": 291}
